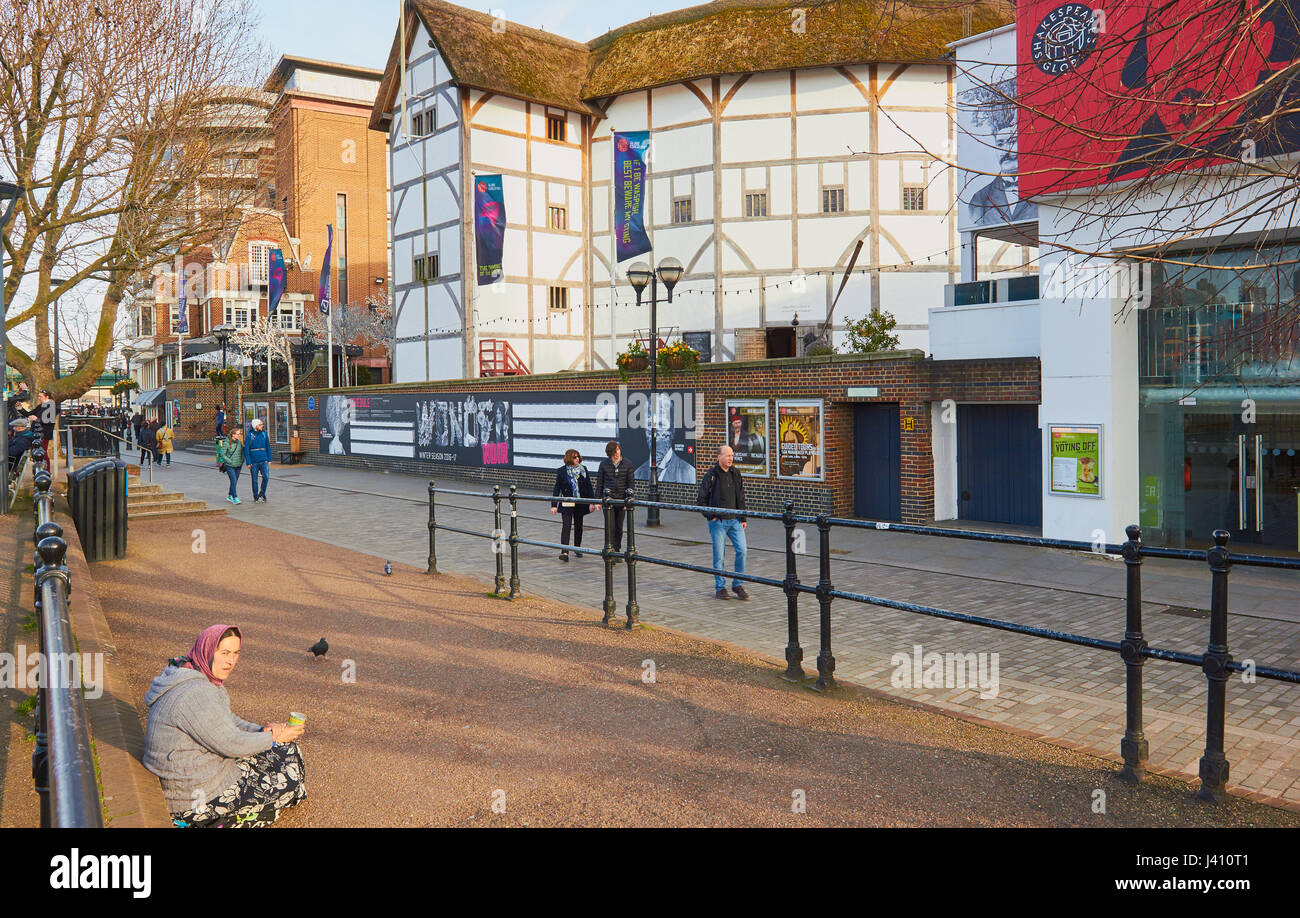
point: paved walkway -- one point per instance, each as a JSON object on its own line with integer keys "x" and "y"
{"x": 437, "y": 705}
{"x": 1066, "y": 694}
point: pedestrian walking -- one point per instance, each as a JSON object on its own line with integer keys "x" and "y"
{"x": 149, "y": 441}
{"x": 572, "y": 482}
{"x": 164, "y": 440}
{"x": 221, "y": 420}
{"x": 724, "y": 487}
{"x": 230, "y": 455}
{"x": 216, "y": 769}
{"x": 47, "y": 415}
{"x": 616, "y": 475}
{"x": 257, "y": 452}
{"x": 137, "y": 421}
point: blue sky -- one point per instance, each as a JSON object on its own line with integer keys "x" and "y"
{"x": 360, "y": 32}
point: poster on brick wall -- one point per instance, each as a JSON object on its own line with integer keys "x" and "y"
{"x": 800, "y": 440}
{"x": 522, "y": 430}
{"x": 747, "y": 435}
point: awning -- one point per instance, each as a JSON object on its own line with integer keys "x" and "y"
{"x": 150, "y": 399}
{"x": 213, "y": 359}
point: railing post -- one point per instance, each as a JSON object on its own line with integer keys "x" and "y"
{"x": 514, "y": 542}
{"x": 433, "y": 528}
{"x": 41, "y": 752}
{"x": 825, "y": 662}
{"x": 608, "y": 554}
{"x": 793, "y": 652}
{"x": 497, "y": 534}
{"x": 1133, "y": 747}
{"x": 1214, "y": 764}
{"x": 633, "y": 610}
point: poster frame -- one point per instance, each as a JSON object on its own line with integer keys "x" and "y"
{"x": 765, "y": 404}
{"x": 820, "y": 404}
{"x": 1101, "y": 460}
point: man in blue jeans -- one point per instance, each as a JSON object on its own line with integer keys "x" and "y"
{"x": 724, "y": 488}
{"x": 258, "y": 456}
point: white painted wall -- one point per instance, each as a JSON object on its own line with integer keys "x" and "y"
{"x": 986, "y": 331}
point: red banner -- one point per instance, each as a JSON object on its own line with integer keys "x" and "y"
{"x": 1116, "y": 89}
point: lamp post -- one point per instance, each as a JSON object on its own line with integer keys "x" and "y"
{"x": 9, "y": 195}
{"x": 639, "y": 275}
{"x": 223, "y": 333}
{"x": 56, "y": 282}
{"x": 127, "y": 352}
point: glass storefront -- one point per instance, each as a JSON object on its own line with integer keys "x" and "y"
{"x": 1219, "y": 400}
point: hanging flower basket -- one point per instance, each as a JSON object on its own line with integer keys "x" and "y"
{"x": 124, "y": 385}
{"x": 678, "y": 358}
{"x": 633, "y": 360}
{"x": 228, "y": 375}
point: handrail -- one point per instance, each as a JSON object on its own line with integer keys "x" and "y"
{"x": 1216, "y": 662}
{"x": 63, "y": 764}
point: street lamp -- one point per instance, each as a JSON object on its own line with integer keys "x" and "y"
{"x": 639, "y": 275}
{"x": 9, "y": 195}
{"x": 223, "y": 333}
{"x": 56, "y": 282}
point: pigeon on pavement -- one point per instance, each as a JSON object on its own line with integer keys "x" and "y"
{"x": 388, "y": 567}
{"x": 320, "y": 648}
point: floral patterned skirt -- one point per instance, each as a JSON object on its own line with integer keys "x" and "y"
{"x": 268, "y": 783}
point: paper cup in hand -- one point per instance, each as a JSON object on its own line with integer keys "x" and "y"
{"x": 296, "y": 719}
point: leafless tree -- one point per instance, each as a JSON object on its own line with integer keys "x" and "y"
{"x": 112, "y": 114}
{"x": 265, "y": 337}
{"x": 366, "y": 324}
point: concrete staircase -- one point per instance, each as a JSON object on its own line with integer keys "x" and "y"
{"x": 146, "y": 501}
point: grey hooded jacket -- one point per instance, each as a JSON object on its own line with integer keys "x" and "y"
{"x": 192, "y": 741}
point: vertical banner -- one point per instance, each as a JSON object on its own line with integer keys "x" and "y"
{"x": 275, "y": 282}
{"x": 631, "y": 150}
{"x": 800, "y": 448}
{"x": 323, "y": 288}
{"x": 489, "y": 227}
{"x": 182, "y": 318}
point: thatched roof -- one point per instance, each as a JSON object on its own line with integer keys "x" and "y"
{"x": 722, "y": 37}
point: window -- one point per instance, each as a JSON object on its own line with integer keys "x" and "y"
{"x": 558, "y": 298}
{"x": 289, "y": 313}
{"x": 239, "y": 313}
{"x": 175, "y": 318}
{"x": 756, "y": 205}
{"x": 832, "y": 200}
{"x": 424, "y": 123}
{"x": 425, "y": 268}
{"x": 341, "y": 240}
{"x": 913, "y": 197}
{"x": 557, "y": 218}
{"x": 259, "y": 262}
{"x": 556, "y": 127}
{"x": 683, "y": 210}
{"x": 144, "y": 321}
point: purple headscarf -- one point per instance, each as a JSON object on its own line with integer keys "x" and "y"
{"x": 204, "y": 649}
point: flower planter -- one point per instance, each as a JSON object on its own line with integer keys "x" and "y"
{"x": 635, "y": 364}
{"x": 674, "y": 361}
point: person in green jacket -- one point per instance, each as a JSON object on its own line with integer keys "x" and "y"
{"x": 231, "y": 454}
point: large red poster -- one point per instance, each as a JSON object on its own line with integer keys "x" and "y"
{"x": 1114, "y": 89}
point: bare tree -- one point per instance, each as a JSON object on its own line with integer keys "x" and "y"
{"x": 366, "y": 324}
{"x": 267, "y": 338}
{"x": 105, "y": 117}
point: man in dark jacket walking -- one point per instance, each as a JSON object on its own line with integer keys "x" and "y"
{"x": 616, "y": 475}
{"x": 724, "y": 488}
{"x": 257, "y": 454}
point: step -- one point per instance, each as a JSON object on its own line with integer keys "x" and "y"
{"x": 135, "y": 497}
{"x": 153, "y": 506}
{"x": 204, "y": 510}
{"x": 135, "y": 487}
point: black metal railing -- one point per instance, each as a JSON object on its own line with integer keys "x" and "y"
{"x": 63, "y": 765}
{"x": 1216, "y": 662}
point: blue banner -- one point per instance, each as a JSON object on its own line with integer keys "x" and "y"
{"x": 323, "y": 289}
{"x": 489, "y": 227}
{"x": 631, "y": 151}
{"x": 275, "y": 287}
{"x": 182, "y": 317}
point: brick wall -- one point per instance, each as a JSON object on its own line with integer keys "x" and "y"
{"x": 904, "y": 378}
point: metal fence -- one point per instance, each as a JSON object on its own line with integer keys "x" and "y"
{"x": 63, "y": 766}
{"x": 1216, "y": 662}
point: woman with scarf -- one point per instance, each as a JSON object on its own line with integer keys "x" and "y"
{"x": 216, "y": 769}
{"x": 572, "y": 482}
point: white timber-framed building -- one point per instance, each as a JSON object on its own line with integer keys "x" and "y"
{"x": 772, "y": 158}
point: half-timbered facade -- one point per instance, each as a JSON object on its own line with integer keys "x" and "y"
{"x": 771, "y": 159}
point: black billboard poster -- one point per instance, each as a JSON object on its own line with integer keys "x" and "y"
{"x": 516, "y": 429}
{"x": 747, "y": 435}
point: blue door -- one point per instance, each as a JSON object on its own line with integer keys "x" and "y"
{"x": 876, "y": 464}
{"x": 999, "y": 473}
